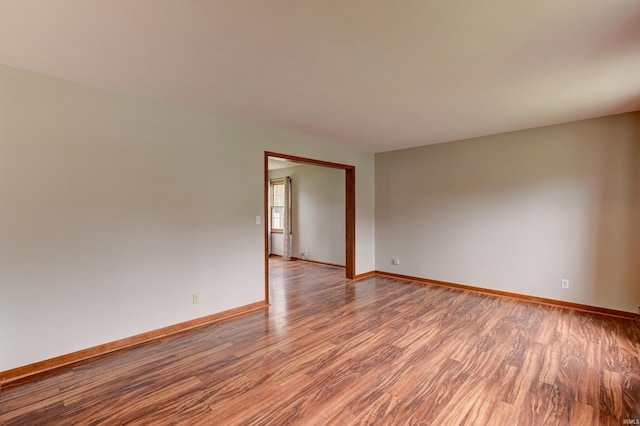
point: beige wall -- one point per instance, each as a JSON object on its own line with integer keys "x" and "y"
{"x": 318, "y": 213}
{"x": 519, "y": 212}
{"x": 115, "y": 209}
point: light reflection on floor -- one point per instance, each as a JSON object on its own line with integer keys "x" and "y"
{"x": 285, "y": 292}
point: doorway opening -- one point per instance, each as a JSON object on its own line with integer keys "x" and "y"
{"x": 350, "y": 210}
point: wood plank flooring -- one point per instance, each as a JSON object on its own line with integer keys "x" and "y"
{"x": 379, "y": 351}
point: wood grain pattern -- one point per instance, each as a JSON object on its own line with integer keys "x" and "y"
{"x": 570, "y": 305}
{"x": 380, "y": 351}
{"x": 30, "y": 372}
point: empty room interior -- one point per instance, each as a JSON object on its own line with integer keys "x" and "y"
{"x": 320, "y": 212}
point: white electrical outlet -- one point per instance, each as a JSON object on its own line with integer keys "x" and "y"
{"x": 565, "y": 283}
{"x": 396, "y": 261}
{"x": 196, "y": 298}
{"x": 258, "y": 220}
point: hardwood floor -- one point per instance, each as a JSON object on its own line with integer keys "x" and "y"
{"x": 379, "y": 351}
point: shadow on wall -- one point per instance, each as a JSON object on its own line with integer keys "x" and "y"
{"x": 616, "y": 244}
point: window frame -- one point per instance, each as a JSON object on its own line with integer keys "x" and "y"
{"x": 272, "y": 184}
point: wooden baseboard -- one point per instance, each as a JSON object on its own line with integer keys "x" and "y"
{"x": 21, "y": 375}
{"x": 319, "y": 263}
{"x": 542, "y": 300}
{"x": 364, "y": 276}
{"x": 311, "y": 261}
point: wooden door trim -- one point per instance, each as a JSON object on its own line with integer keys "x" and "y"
{"x": 350, "y": 213}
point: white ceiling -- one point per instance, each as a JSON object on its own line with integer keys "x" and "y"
{"x": 274, "y": 163}
{"x": 375, "y": 74}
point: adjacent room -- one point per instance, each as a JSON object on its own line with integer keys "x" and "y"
{"x": 317, "y": 212}
{"x": 320, "y": 213}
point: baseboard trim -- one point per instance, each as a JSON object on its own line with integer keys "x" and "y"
{"x": 541, "y": 300}
{"x": 335, "y": 265}
{"x": 24, "y": 374}
{"x": 310, "y": 261}
{"x": 364, "y": 276}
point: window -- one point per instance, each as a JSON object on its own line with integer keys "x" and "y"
{"x": 277, "y": 206}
